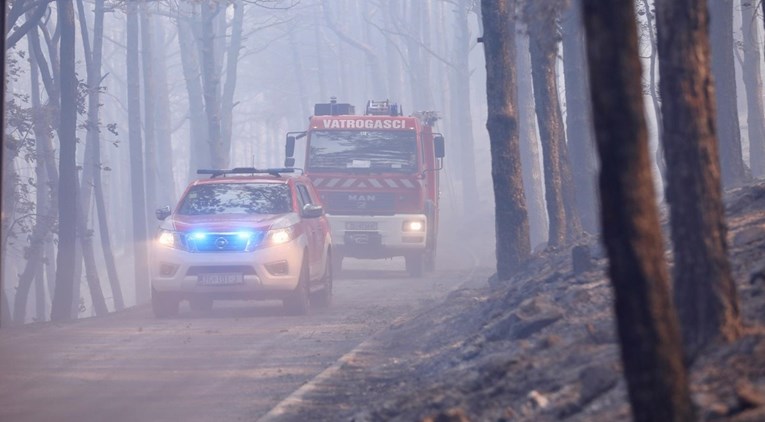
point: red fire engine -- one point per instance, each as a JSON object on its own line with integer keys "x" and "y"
{"x": 377, "y": 175}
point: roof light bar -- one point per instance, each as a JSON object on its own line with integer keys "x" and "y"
{"x": 247, "y": 170}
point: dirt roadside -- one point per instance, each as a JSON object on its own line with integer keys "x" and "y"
{"x": 539, "y": 348}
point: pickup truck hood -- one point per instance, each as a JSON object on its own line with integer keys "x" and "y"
{"x": 226, "y": 222}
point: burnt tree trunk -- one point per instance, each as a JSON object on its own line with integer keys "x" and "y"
{"x": 705, "y": 294}
{"x": 752, "y": 70}
{"x": 511, "y": 219}
{"x": 581, "y": 146}
{"x": 211, "y": 83}
{"x": 647, "y": 325}
{"x": 726, "y": 119}
{"x": 541, "y": 18}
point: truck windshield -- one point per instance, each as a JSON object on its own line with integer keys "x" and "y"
{"x": 236, "y": 198}
{"x": 386, "y": 151}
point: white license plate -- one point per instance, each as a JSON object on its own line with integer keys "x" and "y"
{"x": 221, "y": 279}
{"x": 361, "y": 225}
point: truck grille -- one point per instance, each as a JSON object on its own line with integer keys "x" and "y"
{"x": 362, "y": 203}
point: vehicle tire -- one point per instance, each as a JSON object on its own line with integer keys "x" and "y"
{"x": 298, "y": 301}
{"x": 164, "y": 305}
{"x": 201, "y": 304}
{"x": 430, "y": 260}
{"x": 337, "y": 264}
{"x": 323, "y": 298}
{"x": 415, "y": 264}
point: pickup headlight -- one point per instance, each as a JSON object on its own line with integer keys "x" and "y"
{"x": 170, "y": 239}
{"x": 280, "y": 236}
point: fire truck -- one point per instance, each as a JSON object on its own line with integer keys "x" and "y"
{"x": 378, "y": 177}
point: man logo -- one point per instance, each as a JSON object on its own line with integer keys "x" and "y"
{"x": 365, "y": 198}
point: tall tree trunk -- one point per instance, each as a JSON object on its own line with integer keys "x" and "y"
{"x": 728, "y": 130}
{"x": 752, "y": 69}
{"x": 67, "y": 210}
{"x": 653, "y": 87}
{"x": 581, "y": 144}
{"x": 140, "y": 237}
{"x": 166, "y": 189}
{"x": 647, "y": 325}
{"x": 149, "y": 109}
{"x": 705, "y": 293}
{"x": 197, "y": 119}
{"x": 461, "y": 108}
{"x": 229, "y": 86}
{"x": 559, "y": 190}
{"x": 211, "y": 84}
{"x": 45, "y": 220}
{"x": 533, "y": 185}
{"x": 512, "y": 224}
{"x": 94, "y": 140}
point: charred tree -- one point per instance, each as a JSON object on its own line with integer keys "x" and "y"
{"x": 580, "y": 145}
{"x": 705, "y": 293}
{"x": 232, "y": 66}
{"x": 512, "y": 225}
{"x": 149, "y": 108}
{"x": 726, "y": 119}
{"x": 542, "y": 19}
{"x": 752, "y": 73}
{"x": 647, "y": 325}
{"x": 533, "y": 185}
{"x": 67, "y": 210}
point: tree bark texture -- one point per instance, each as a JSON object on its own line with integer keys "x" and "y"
{"x": 726, "y": 119}
{"x": 541, "y": 18}
{"x": 67, "y": 210}
{"x": 647, "y": 325}
{"x": 580, "y": 145}
{"x": 533, "y": 184}
{"x": 705, "y": 293}
{"x": 511, "y": 219}
{"x": 752, "y": 68}
{"x": 137, "y": 190}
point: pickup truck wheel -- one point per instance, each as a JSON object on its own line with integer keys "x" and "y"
{"x": 297, "y": 302}
{"x": 164, "y": 305}
{"x": 201, "y": 304}
{"x": 323, "y": 298}
{"x": 415, "y": 264}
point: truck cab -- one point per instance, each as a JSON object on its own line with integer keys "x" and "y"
{"x": 378, "y": 176}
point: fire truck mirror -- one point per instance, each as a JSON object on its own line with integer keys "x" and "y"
{"x": 438, "y": 144}
{"x": 289, "y": 162}
{"x": 289, "y": 148}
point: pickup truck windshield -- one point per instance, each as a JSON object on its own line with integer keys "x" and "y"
{"x": 384, "y": 151}
{"x": 236, "y": 198}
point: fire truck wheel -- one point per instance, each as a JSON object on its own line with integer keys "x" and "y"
{"x": 415, "y": 264}
{"x": 430, "y": 260}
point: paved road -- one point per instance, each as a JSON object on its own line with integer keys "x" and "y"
{"x": 235, "y": 363}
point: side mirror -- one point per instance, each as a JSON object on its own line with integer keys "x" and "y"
{"x": 289, "y": 147}
{"x": 162, "y": 213}
{"x": 438, "y": 145}
{"x": 289, "y": 162}
{"x": 312, "y": 211}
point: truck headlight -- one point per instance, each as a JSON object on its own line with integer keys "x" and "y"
{"x": 413, "y": 226}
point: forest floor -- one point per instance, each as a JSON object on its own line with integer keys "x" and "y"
{"x": 542, "y": 347}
